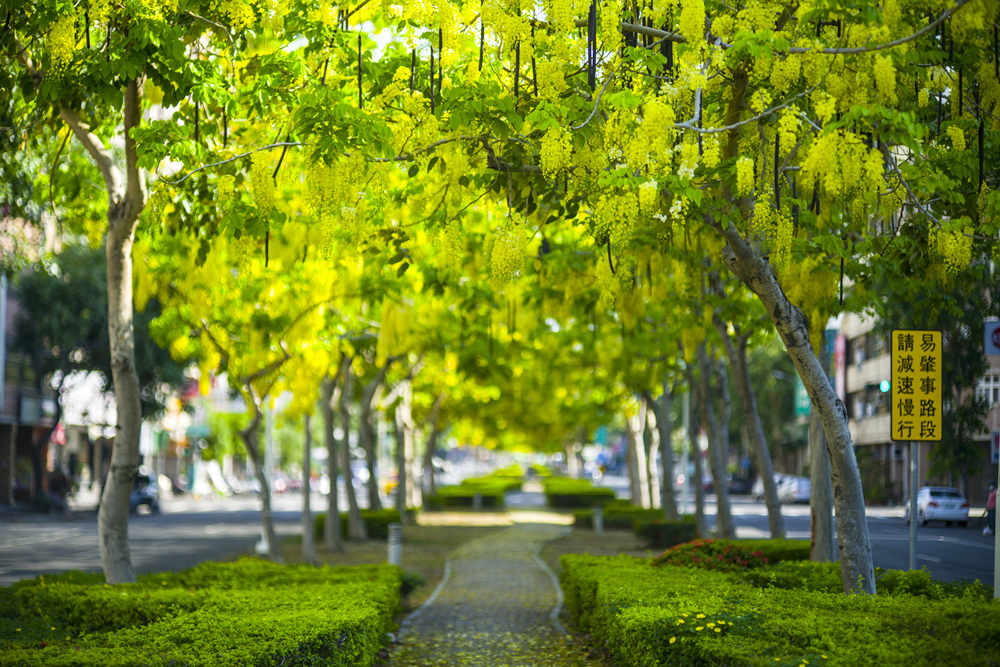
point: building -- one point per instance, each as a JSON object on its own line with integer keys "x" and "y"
{"x": 863, "y": 371}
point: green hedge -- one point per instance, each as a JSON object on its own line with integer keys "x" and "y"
{"x": 464, "y": 497}
{"x": 618, "y": 515}
{"x": 376, "y": 523}
{"x": 245, "y": 613}
{"x": 659, "y": 534}
{"x": 650, "y": 616}
{"x": 494, "y": 483}
{"x": 562, "y": 492}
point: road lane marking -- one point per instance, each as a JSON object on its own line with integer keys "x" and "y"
{"x": 930, "y": 558}
{"x": 215, "y": 528}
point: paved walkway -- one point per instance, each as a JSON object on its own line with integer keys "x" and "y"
{"x": 497, "y": 606}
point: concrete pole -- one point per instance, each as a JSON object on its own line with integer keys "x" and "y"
{"x": 913, "y": 505}
{"x": 395, "y": 556}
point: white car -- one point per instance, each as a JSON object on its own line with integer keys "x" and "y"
{"x": 940, "y": 503}
{"x": 793, "y": 489}
{"x": 757, "y": 491}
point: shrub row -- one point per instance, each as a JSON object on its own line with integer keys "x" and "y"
{"x": 376, "y": 523}
{"x": 227, "y": 614}
{"x": 562, "y": 492}
{"x": 659, "y": 534}
{"x": 618, "y": 515}
{"x": 464, "y": 497}
{"x": 649, "y": 616}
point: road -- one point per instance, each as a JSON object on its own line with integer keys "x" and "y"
{"x": 188, "y": 532}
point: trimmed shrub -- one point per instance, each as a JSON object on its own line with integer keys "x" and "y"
{"x": 376, "y": 523}
{"x": 562, "y": 492}
{"x": 618, "y": 515}
{"x": 659, "y": 534}
{"x": 245, "y": 613}
{"x": 491, "y": 484}
{"x": 724, "y": 555}
{"x": 649, "y": 616}
{"x": 464, "y": 497}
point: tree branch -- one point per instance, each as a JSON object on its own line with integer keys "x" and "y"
{"x": 102, "y": 156}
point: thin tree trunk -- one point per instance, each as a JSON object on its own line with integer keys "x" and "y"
{"x": 249, "y": 436}
{"x": 723, "y": 517}
{"x": 665, "y": 428}
{"x": 366, "y": 430}
{"x": 651, "y": 445}
{"x": 355, "y": 524}
{"x": 428, "y": 482}
{"x": 856, "y": 567}
{"x": 637, "y": 457}
{"x": 737, "y": 355}
{"x": 404, "y": 449}
{"x": 822, "y": 545}
{"x": 308, "y": 541}
{"x": 572, "y": 465}
{"x": 331, "y": 527}
{"x": 699, "y": 469}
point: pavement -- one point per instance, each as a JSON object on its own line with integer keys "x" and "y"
{"x": 497, "y": 605}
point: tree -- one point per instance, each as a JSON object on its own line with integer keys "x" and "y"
{"x": 62, "y": 328}
{"x": 780, "y": 140}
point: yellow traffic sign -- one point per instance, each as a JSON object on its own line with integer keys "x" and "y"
{"x": 916, "y": 385}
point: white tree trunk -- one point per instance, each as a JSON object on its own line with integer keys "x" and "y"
{"x": 331, "y": 527}
{"x": 724, "y": 528}
{"x": 854, "y": 542}
{"x": 651, "y": 446}
{"x": 635, "y": 424}
{"x": 737, "y": 355}
{"x": 699, "y": 471}
{"x": 355, "y": 524}
{"x": 664, "y": 427}
{"x": 249, "y": 436}
{"x": 822, "y": 546}
{"x": 308, "y": 541}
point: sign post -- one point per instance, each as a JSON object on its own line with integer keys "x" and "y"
{"x": 916, "y": 406}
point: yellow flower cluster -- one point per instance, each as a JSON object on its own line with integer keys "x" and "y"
{"x": 506, "y": 254}
{"x": 785, "y": 73}
{"x": 551, "y": 80}
{"x": 393, "y": 331}
{"x": 953, "y": 247}
{"x": 838, "y": 160}
{"x": 607, "y": 283}
{"x": 657, "y": 129}
{"x": 100, "y": 10}
{"x": 615, "y": 215}
{"x": 560, "y": 15}
{"x": 744, "y": 176}
{"x": 923, "y": 97}
{"x": 450, "y": 250}
{"x": 711, "y": 151}
{"x": 788, "y": 128}
{"x": 649, "y": 197}
{"x": 885, "y": 78}
{"x": 62, "y": 44}
{"x": 811, "y": 285}
{"x": 826, "y": 106}
{"x": 239, "y": 13}
{"x": 692, "y": 21}
{"x": 556, "y": 152}
{"x": 957, "y": 137}
{"x": 262, "y": 181}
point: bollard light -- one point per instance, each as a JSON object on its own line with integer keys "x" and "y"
{"x": 395, "y": 544}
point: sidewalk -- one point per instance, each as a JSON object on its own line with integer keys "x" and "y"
{"x": 498, "y": 604}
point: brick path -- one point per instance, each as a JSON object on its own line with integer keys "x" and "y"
{"x": 497, "y": 606}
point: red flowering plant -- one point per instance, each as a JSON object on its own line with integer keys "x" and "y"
{"x": 724, "y": 555}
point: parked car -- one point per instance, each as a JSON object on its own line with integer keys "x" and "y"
{"x": 793, "y": 489}
{"x": 145, "y": 491}
{"x": 757, "y": 491}
{"x": 940, "y": 503}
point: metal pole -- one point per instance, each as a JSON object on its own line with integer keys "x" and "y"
{"x": 685, "y": 462}
{"x": 598, "y": 520}
{"x": 3, "y": 339}
{"x": 996, "y": 555}
{"x": 395, "y": 544}
{"x": 913, "y": 505}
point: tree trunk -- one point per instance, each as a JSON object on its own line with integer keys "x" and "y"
{"x": 854, "y": 543}
{"x": 723, "y": 518}
{"x": 366, "y": 430}
{"x": 427, "y": 481}
{"x": 737, "y": 355}
{"x": 751, "y": 414}
{"x": 665, "y": 428}
{"x": 331, "y": 527}
{"x": 821, "y": 547}
{"x": 308, "y": 541}
{"x": 249, "y": 436}
{"x": 404, "y": 449}
{"x": 572, "y": 464}
{"x": 699, "y": 471}
{"x": 651, "y": 446}
{"x": 634, "y": 425}
{"x": 355, "y": 524}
